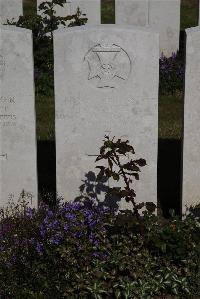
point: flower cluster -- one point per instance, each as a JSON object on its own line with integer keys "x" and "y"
{"x": 69, "y": 224}
{"x": 78, "y": 250}
{"x": 172, "y": 72}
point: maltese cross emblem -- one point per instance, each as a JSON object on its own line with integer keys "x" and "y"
{"x": 109, "y": 66}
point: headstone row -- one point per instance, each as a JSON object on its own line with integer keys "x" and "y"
{"x": 163, "y": 16}
{"x": 106, "y": 83}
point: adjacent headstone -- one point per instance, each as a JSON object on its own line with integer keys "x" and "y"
{"x": 199, "y": 13}
{"x": 132, "y": 12}
{"x": 17, "y": 116}
{"x": 163, "y": 16}
{"x": 10, "y": 9}
{"x": 92, "y": 9}
{"x": 191, "y": 145}
{"x": 106, "y": 83}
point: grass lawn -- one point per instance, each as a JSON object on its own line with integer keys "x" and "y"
{"x": 29, "y": 6}
{"x": 189, "y": 13}
{"x": 45, "y": 118}
{"x": 170, "y": 107}
{"x": 108, "y": 11}
{"x": 170, "y": 117}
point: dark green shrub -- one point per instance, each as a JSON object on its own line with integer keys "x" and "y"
{"x": 80, "y": 250}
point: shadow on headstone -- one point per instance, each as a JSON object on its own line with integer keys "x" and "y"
{"x": 195, "y": 211}
{"x": 96, "y": 191}
{"x": 169, "y": 180}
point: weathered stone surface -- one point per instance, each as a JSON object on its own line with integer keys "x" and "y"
{"x": 17, "y": 115}
{"x": 92, "y": 9}
{"x": 191, "y": 147}
{"x": 10, "y": 9}
{"x": 132, "y": 12}
{"x": 163, "y": 16}
{"x": 106, "y": 82}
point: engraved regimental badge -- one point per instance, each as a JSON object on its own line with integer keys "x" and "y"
{"x": 109, "y": 66}
{"x": 2, "y": 66}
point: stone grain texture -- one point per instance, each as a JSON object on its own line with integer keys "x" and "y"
{"x": 106, "y": 83}
{"x": 10, "y": 9}
{"x": 163, "y": 16}
{"x": 191, "y": 145}
{"x": 17, "y": 116}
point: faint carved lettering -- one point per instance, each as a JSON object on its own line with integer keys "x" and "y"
{"x": 2, "y": 66}
{"x": 3, "y": 157}
{"x": 7, "y": 114}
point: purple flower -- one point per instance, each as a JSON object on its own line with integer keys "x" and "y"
{"x": 13, "y": 259}
{"x": 46, "y": 220}
{"x": 96, "y": 254}
{"x": 49, "y": 214}
{"x": 55, "y": 240}
{"x": 42, "y": 231}
{"x": 66, "y": 227}
{"x": 99, "y": 255}
{"x": 53, "y": 225}
{"x": 78, "y": 235}
{"x": 93, "y": 223}
{"x": 173, "y": 55}
{"x": 30, "y": 213}
{"x": 73, "y": 206}
{"x": 71, "y": 217}
{"x": 93, "y": 239}
{"x": 39, "y": 248}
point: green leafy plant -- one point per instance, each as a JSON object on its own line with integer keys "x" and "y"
{"x": 51, "y": 21}
{"x": 118, "y": 155}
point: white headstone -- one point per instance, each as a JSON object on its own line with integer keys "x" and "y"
{"x": 191, "y": 145}
{"x": 106, "y": 83}
{"x": 163, "y": 16}
{"x": 199, "y": 13}
{"x": 10, "y": 9}
{"x": 17, "y": 116}
{"x": 132, "y": 12}
{"x": 92, "y": 9}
